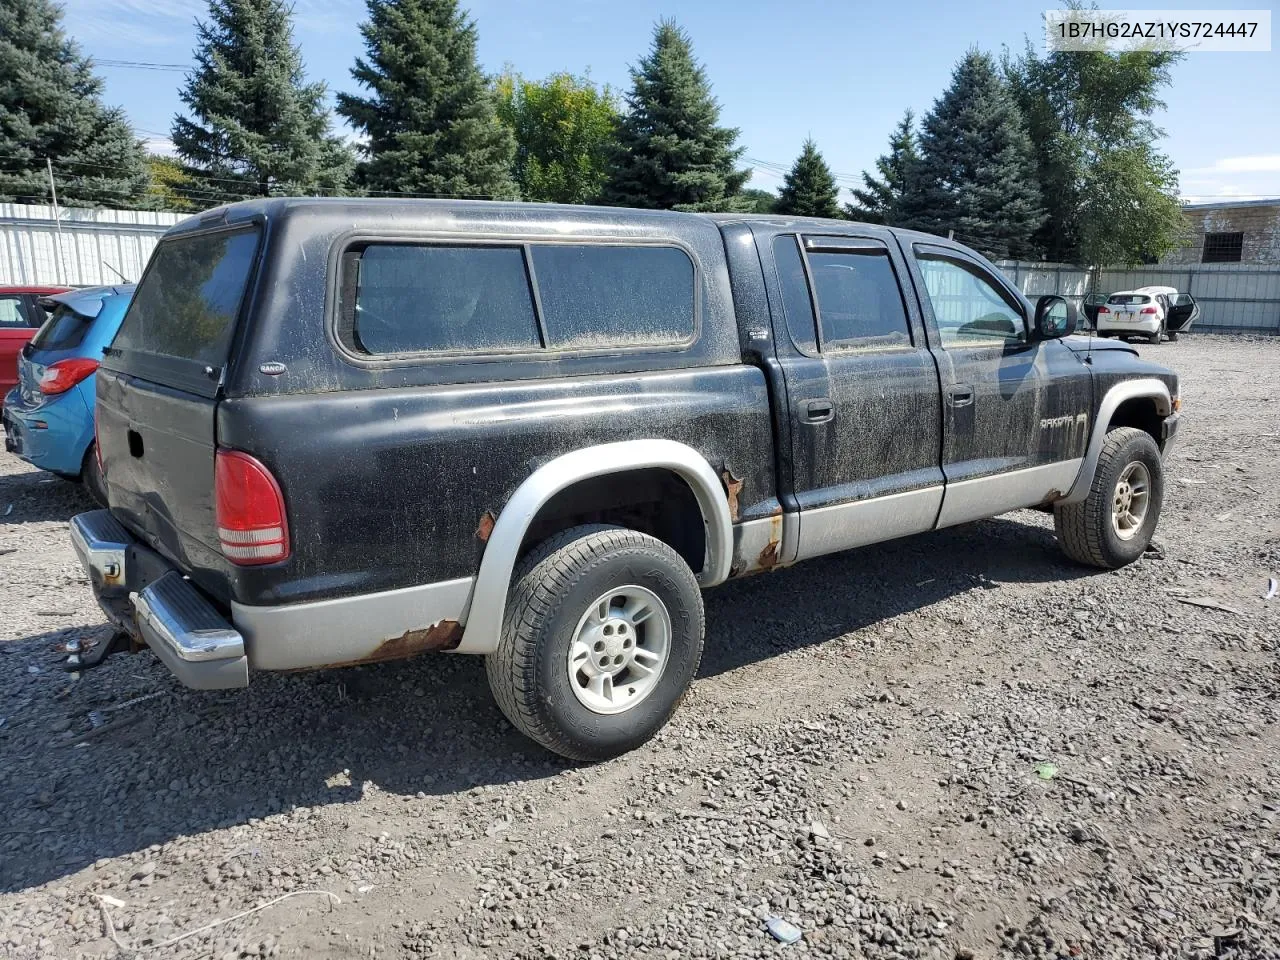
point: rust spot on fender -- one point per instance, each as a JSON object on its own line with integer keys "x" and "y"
{"x": 485, "y": 527}
{"x": 732, "y": 487}
{"x": 444, "y": 635}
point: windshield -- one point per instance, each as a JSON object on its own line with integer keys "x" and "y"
{"x": 63, "y": 330}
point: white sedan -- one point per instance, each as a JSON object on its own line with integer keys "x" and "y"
{"x": 1146, "y": 311}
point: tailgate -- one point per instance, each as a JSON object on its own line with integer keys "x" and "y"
{"x": 158, "y": 392}
{"x": 158, "y": 447}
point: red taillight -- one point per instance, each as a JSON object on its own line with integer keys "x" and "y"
{"x": 250, "y": 510}
{"x": 62, "y": 376}
{"x": 1103, "y": 310}
{"x": 1150, "y": 310}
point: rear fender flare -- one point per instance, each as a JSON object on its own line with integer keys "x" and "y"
{"x": 1128, "y": 390}
{"x": 487, "y": 606}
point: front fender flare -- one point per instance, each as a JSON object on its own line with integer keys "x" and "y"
{"x": 488, "y": 602}
{"x": 1150, "y": 387}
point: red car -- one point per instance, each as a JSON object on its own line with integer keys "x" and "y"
{"x": 20, "y": 317}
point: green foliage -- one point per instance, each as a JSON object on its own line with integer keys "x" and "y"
{"x": 1089, "y": 117}
{"x": 173, "y": 187}
{"x": 754, "y": 200}
{"x": 429, "y": 116}
{"x": 809, "y": 188}
{"x": 256, "y": 127}
{"x": 672, "y": 153}
{"x": 879, "y": 199}
{"x": 1129, "y": 213}
{"x": 51, "y": 107}
{"x": 976, "y": 173}
{"x": 564, "y": 129}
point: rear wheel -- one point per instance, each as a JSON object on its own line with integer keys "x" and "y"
{"x": 91, "y": 476}
{"x": 602, "y": 636}
{"x": 1116, "y": 521}
{"x": 1173, "y": 336}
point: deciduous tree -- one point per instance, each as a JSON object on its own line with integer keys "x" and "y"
{"x": 564, "y": 128}
{"x": 1111, "y": 196}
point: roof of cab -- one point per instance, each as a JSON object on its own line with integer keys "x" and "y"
{"x": 441, "y": 214}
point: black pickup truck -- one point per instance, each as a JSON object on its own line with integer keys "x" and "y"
{"x": 342, "y": 431}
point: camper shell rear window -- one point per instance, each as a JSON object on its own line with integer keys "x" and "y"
{"x": 180, "y": 324}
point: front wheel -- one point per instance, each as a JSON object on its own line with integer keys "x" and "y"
{"x": 1112, "y": 526}
{"x": 601, "y": 639}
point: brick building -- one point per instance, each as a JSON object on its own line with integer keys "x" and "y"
{"x": 1236, "y": 231}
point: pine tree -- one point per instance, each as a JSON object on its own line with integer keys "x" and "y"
{"x": 671, "y": 153}
{"x": 809, "y": 188}
{"x": 429, "y": 116}
{"x": 50, "y": 107}
{"x": 257, "y": 128}
{"x": 879, "y": 199}
{"x": 976, "y": 173}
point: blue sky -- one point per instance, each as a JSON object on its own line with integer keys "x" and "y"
{"x": 841, "y": 72}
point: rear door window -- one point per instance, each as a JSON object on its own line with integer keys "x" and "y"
{"x": 614, "y": 295}
{"x": 439, "y": 299}
{"x": 859, "y": 303}
{"x": 183, "y": 315}
{"x": 64, "y": 330}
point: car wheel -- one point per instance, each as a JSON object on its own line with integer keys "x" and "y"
{"x": 1173, "y": 336}
{"x": 91, "y": 476}
{"x": 1112, "y": 526}
{"x": 602, "y": 637}
{"x": 1155, "y": 337}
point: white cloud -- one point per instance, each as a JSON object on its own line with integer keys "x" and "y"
{"x": 161, "y": 145}
{"x": 1262, "y": 163}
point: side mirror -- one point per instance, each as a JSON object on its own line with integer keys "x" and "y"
{"x": 1055, "y": 317}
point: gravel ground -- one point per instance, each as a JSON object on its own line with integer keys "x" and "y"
{"x": 863, "y": 755}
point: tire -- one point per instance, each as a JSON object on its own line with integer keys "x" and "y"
{"x": 1089, "y": 532}
{"x": 556, "y": 597}
{"x": 1155, "y": 337}
{"x": 1173, "y": 336}
{"x": 91, "y": 476}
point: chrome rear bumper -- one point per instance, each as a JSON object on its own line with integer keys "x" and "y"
{"x": 156, "y": 604}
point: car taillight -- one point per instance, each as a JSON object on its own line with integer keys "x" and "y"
{"x": 1103, "y": 310}
{"x": 1150, "y": 310}
{"x": 62, "y": 376}
{"x": 250, "y": 510}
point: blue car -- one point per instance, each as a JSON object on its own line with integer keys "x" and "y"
{"x": 48, "y": 416}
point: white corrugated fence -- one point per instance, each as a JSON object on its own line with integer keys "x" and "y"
{"x": 81, "y": 247}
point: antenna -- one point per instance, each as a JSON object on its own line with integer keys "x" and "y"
{"x": 115, "y": 271}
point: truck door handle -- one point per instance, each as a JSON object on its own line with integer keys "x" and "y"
{"x": 961, "y": 395}
{"x": 819, "y": 411}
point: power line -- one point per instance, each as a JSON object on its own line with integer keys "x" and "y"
{"x": 142, "y": 65}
